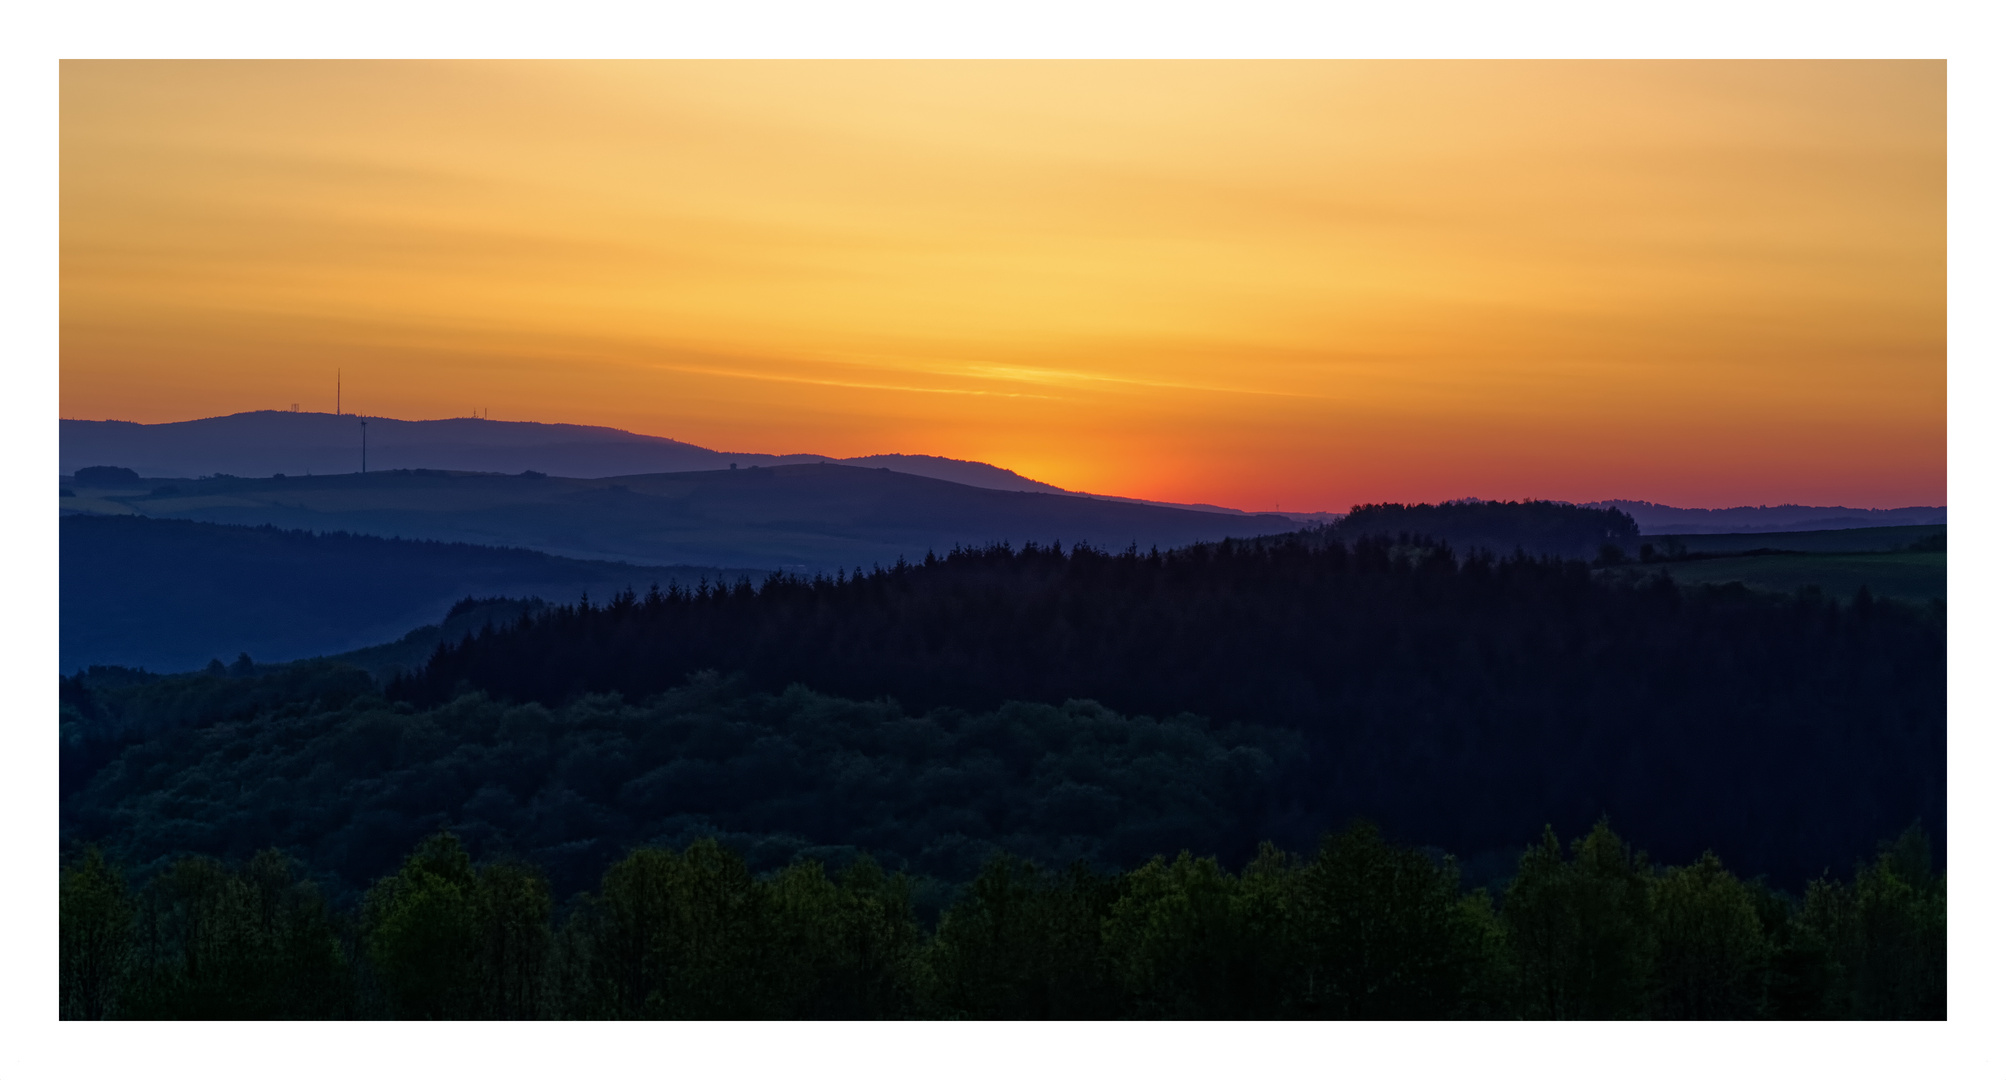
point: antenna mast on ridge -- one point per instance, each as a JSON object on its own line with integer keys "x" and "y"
{"x": 337, "y": 391}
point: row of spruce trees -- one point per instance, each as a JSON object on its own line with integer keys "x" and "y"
{"x": 1450, "y": 695}
{"x": 1363, "y": 929}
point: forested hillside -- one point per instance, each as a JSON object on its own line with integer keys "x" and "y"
{"x": 1464, "y": 702}
{"x": 309, "y": 759}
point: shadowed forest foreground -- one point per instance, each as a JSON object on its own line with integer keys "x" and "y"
{"x": 683, "y": 764}
{"x": 1364, "y": 929}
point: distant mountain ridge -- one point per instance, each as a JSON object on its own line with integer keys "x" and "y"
{"x": 1655, "y": 519}
{"x": 298, "y": 444}
{"x": 266, "y": 442}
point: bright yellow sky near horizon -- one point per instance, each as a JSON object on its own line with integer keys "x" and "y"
{"x": 1247, "y": 283}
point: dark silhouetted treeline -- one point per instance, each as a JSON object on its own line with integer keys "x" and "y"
{"x": 1467, "y": 700}
{"x": 1535, "y": 526}
{"x": 308, "y": 759}
{"x": 1363, "y": 929}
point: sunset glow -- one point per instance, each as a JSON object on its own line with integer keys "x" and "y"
{"x": 1251, "y": 284}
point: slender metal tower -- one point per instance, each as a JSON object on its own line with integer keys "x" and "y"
{"x": 337, "y": 391}
{"x": 365, "y": 446}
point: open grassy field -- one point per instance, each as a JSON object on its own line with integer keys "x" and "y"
{"x": 1837, "y": 561}
{"x": 1826, "y": 541}
{"x": 1914, "y": 576}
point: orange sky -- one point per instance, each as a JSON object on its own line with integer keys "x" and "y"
{"x": 1310, "y": 284}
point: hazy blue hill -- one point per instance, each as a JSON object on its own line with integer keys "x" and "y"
{"x": 172, "y": 595}
{"x": 797, "y": 517}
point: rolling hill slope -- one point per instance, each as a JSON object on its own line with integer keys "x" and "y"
{"x": 795, "y": 517}
{"x": 172, "y": 595}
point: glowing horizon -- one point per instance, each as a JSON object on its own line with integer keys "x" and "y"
{"x": 1312, "y": 284}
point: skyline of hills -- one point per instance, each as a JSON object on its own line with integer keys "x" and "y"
{"x": 265, "y": 442}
